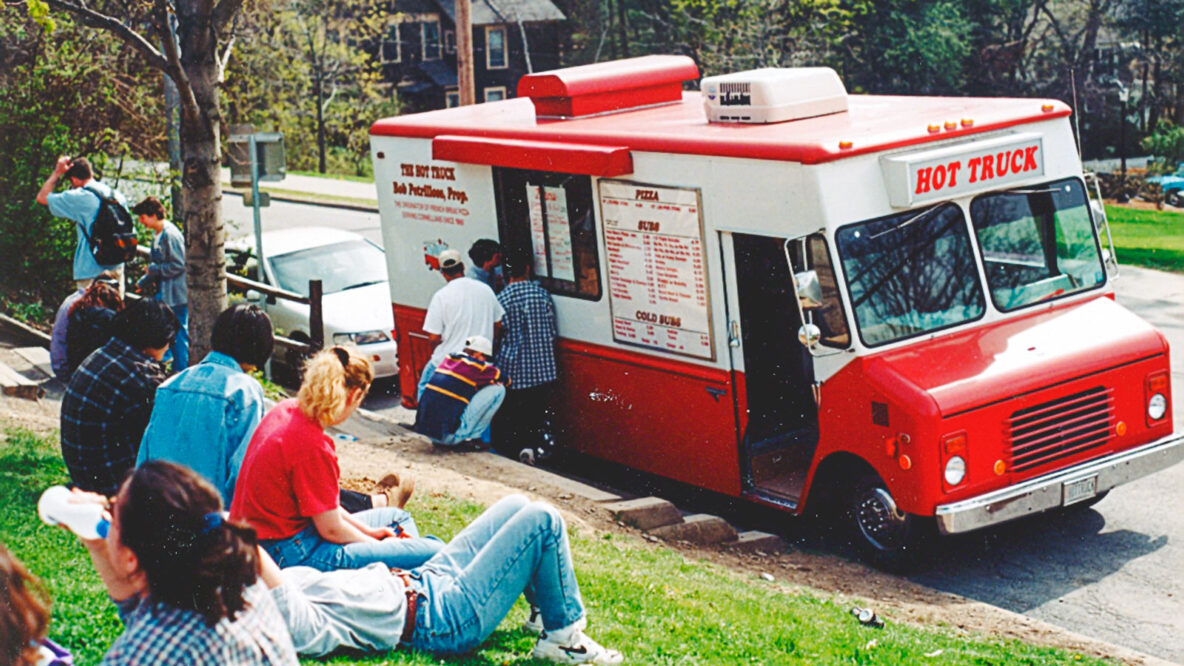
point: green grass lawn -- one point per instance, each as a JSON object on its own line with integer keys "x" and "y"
{"x": 654, "y": 605}
{"x": 1149, "y": 238}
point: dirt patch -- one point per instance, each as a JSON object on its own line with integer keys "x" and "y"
{"x": 485, "y": 478}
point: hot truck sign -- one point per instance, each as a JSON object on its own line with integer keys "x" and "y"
{"x": 946, "y": 173}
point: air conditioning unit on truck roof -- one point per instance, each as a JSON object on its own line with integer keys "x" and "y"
{"x": 773, "y": 95}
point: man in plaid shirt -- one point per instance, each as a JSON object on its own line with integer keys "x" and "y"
{"x": 526, "y": 353}
{"x": 109, "y": 398}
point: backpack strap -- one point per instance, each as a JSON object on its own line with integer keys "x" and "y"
{"x": 81, "y": 226}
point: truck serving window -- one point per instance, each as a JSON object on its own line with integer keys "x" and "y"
{"x": 1038, "y": 243}
{"x": 910, "y": 274}
{"x": 550, "y": 214}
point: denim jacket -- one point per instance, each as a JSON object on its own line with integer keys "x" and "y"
{"x": 204, "y": 418}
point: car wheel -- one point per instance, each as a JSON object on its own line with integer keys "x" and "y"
{"x": 887, "y": 537}
{"x": 1175, "y": 198}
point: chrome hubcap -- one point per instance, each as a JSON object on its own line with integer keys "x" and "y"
{"x": 880, "y": 521}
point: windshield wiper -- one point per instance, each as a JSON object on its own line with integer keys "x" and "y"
{"x": 916, "y": 218}
{"x": 362, "y": 284}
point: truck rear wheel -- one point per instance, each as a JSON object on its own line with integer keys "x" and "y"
{"x": 887, "y": 537}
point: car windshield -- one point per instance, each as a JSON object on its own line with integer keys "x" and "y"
{"x": 340, "y": 266}
{"x": 1038, "y": 243}
{"x": 910, "y": 274}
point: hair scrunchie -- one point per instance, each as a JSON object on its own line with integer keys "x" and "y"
{"x": 210, "y": 522}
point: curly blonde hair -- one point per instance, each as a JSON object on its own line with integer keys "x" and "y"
{"x": 329, "y": 377}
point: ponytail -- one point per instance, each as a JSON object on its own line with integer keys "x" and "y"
{"x": 171, "y": 518}
{"x": 329, "y": 376}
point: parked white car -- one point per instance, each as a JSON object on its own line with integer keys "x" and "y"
{"x": 356, "y": 301}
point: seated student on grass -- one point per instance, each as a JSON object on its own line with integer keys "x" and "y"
{"x": 24, "y": 618}
{"x": 461, "y": 398}
{"x": 183, "y": 578}
{"x": 204, "y": 416}
{"x": 454, "y": 602}
{"x": 287, "y": 487}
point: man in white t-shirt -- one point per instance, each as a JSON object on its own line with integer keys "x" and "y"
{"x": 462, "y": 308}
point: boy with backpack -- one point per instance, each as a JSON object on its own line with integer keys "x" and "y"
{"x": 103, "y": 225}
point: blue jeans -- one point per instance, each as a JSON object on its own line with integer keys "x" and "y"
{"x": 516, "y": 547}
{"x": 179, "y": 350}
{"x": 309, "y": 549}
{"x": 428, "y": 371}
{"x": 474, "y": 422}
{"x": 180, "y": 346}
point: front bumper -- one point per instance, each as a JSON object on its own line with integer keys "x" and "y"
{"x": 1050, "y": 491}
{"x": 383, "y": 357}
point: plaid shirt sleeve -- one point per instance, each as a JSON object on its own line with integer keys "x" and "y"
{"x": 104, "y": 413}
{"x": 527, "y": 352}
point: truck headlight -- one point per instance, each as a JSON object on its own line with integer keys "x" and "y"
{"x": 363, "y": 338}
{"x": 955, "y": 470}
{"x": 1157, "y": 406}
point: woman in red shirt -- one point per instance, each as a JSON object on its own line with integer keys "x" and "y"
{"x": 287, "y": 486}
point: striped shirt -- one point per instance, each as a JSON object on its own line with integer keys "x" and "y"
{"x": 456, "y": 380}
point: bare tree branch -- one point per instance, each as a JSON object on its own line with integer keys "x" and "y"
{"x": 225, "y": 59}
{"x": 114, "y": 26}
{"x": 175, "y": 71}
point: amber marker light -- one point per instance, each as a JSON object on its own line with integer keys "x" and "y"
{"x": 951, "y": 125}
{"x": 845, "y": 145}
{"x": 906, "y": 463}
{"x": 1000, "y": 467}
{"x": 1120, "y": 428}
{"x": 1047, "y": 108}
{"x": 968, "y": 122}
{"x": 934, "y": 128}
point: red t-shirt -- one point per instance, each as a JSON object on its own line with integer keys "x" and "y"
{"x": 289, "y": 474}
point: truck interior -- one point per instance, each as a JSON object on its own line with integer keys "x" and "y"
{"x": 781, "y": 432}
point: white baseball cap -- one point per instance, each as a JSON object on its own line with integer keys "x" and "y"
{"x": 450, "y": 258}
{"x": 479, "y": 343}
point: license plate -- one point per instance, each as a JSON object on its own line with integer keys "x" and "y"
{"x": 1079, "y": 490}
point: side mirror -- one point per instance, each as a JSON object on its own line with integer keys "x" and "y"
{"x": 254, "y": 296}
{"x": 809, "y": 290}
{"x": 809, "y": 335}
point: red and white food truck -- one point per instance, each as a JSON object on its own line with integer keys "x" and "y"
{"x": 774, "y": 290}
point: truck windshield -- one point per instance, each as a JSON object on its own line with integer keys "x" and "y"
{"x": 1038, "y": 243}
{"x": 910, "y": 274}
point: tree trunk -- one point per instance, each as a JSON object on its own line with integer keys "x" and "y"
{"x": 319, "y": 91}
{"x": 201, "y": 182}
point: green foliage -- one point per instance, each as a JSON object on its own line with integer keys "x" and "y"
{"x": 1167, "y": 144}
{"x": 1149, "y": 238}
{"x": 70, "y": 93}
{"x": 305, "y": 55}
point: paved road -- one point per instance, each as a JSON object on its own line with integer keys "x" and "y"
{"x": 1112, "y": 571}
{"x": 1100, "y": 572}
{"x": 279, "y": 215}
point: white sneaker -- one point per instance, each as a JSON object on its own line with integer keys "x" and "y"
{"x": 570, "y": 645}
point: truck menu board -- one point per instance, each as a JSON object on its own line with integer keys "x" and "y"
{"x": 657, "y": 275}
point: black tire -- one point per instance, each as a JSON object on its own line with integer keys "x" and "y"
{"x": 1175, "y": 198}
{"x": 886, "y": 537}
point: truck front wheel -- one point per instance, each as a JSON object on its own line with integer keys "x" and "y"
{"x": 887, "y": 537}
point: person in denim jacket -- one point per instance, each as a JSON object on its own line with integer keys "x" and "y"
{"x": 204, "y": 416}
{"x": 166, "y": 272}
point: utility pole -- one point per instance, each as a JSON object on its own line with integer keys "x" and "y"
{"x": 464, "y": 53}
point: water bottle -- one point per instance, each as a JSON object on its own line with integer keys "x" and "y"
{"x": 84, "y": 519}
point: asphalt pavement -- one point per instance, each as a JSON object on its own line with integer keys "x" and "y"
{"x": 1111, "y": 571}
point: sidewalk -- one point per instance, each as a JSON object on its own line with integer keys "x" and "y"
{"x": 316, "y": 186}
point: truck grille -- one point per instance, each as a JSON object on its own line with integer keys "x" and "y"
{"x": 1060, "y": 428}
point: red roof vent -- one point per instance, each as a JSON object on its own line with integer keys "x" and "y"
{"x": 608, "y": 86}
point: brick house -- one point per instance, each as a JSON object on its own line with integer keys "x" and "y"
{"x": 510, "y": 38}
